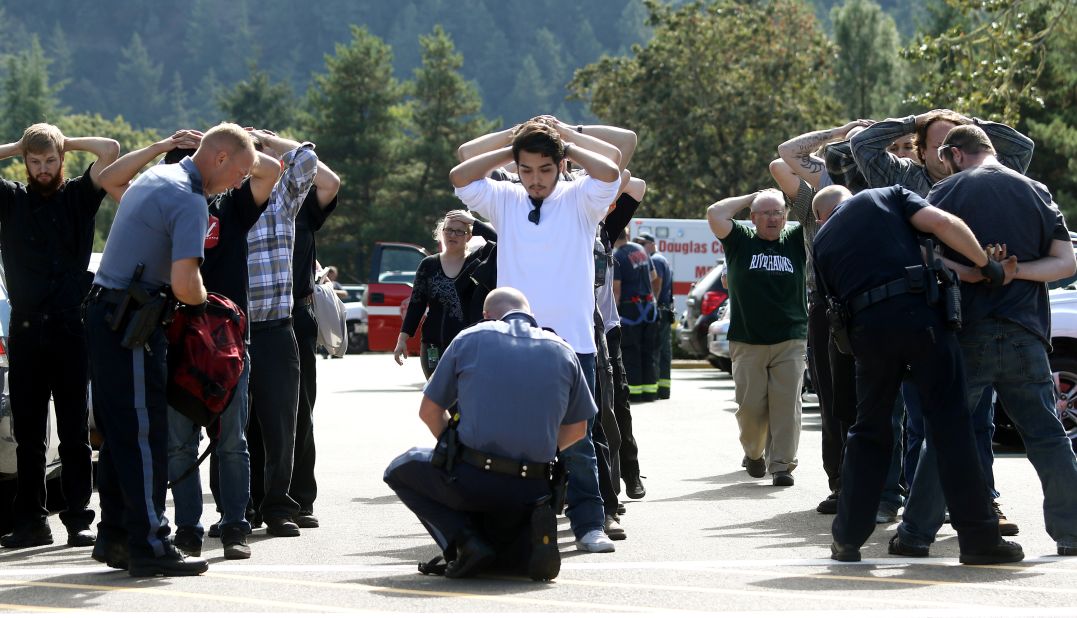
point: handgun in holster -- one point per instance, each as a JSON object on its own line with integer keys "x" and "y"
{"x": 447, "y": 450}
{"x": 558, "y": 484}
{"x": 941, "y": 276}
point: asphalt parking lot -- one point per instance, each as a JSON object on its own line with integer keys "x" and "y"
{"x": 706, "y": 538}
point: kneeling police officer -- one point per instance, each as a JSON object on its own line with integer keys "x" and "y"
{"x": 522, "y": 396}
{"x": 886, "y": 291}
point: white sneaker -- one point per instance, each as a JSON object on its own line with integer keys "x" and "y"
{"x": 595, "y": 542}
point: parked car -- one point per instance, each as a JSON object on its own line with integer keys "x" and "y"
{"x": 1063, "y": 359}
{"x": 718, "y": 340}
{"x": 704, "y": 300}
{"x": 357, "y": 319}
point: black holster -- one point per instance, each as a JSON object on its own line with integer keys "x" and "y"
{"x": 837, "y": 315}
{"x": 447, "y": 450}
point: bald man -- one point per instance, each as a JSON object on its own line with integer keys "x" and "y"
{"x": 522, "y": 396}
{"x": 768, "y": 332}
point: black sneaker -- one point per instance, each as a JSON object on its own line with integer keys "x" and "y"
{"x": 80, "y": 537}
{"x": 172, "y": 564}
{"x": 234, "y": 540}
{"x": 1005, "y": 551}
{"x": 1005, "y": 526}
{"x": 33, "y": 535}
{"x": 112, "y": 553}
{"x": 188, "y": 541}
{"x": 1064, "y": 550}
{"x": 306, "y": 520}
{"x": 215, "y": 529}
{"x": 844, "y": 553}
{"x": 782, "y": 478}
{"x": 545, "y": 561}
{"x": 634, "y": 488}
{"x": 899, "y": 548}
{"x": 281, "y": 526}
{"x": 757, "y": 468}
{"x": 829, "y": 506}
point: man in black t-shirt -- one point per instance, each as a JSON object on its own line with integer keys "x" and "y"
{"x": 1006, "y": 332}
{"x": 320, "y": 202}
{"x": 46, "y": 236}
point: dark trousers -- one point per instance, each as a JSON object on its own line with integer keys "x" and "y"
{"x": 606, "y": 435}
{"x": 274, "y": 389}
{"x": 638, "y": 353}
{"x": 304, "y": 488}
{"x": 833, "y": 430}
{"x": 664, "y": 351}
{"x": 448, "y": 507}
{"x": 622, "y": 408}
{"x": 131, "y": 412}
{"x": 48, "y": 357}
{"x": 886, "y": 338}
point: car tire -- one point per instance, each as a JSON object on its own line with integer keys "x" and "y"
{"x": 1065, "y": 365}
{"x": 718, "y": 362}
{"x": 357, "y": 342}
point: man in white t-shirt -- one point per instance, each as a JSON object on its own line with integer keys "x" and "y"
{"x": 546, "y": 230}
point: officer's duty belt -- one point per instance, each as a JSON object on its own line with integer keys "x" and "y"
{"x": 106, "y": 295}
{"x": 878, "y": 294}
{"x": 504, "y": 465}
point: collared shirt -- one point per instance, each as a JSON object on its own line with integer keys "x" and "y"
{"x": 46, "y": 243}
{"x": 517, "y": 382}
{"x": 162, "y": 218}
{"x": 270, "y": 241}
{"x": 883, "y": 169}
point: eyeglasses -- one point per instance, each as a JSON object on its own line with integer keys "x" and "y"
{"x": 450, "y": 231}
{"x": 945, "y": 149}
{"x": 771, "y": 213}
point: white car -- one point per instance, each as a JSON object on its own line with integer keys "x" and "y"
{"x": 356, "y": 319}
{"x": 718, "y": 340}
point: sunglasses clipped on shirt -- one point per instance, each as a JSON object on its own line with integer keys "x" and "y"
{"x": 533, "y": 216}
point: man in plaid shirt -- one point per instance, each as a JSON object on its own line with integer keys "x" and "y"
{"x": 274, "y": 381}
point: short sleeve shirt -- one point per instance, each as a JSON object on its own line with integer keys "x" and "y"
{"x": 868, "y": 241}
{"x": 766, "y": 286}
{"x": 162, "y": 218}
{"x": 310, "y": 220}
{"x": 663, "y": 270}
{"x": 633, "y": 269}
{"x": 46, "y": 243}
{"x": 1001, "y": 206}
{"x": 231, "y": 216}
{"x": 516, "y": 385}
{"x": 552, "y": 263}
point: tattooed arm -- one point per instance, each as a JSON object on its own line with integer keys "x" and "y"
{"x": 798, "y": 152}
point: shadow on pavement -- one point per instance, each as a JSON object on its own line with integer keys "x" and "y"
{"x": 389, "y": 499}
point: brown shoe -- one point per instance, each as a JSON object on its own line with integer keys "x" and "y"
{"x": 1005, "y": 526}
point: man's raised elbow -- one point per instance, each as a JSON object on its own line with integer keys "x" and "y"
{"x": 111, "y": 151}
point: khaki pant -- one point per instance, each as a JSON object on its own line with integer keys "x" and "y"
{"x": 768, "y": 380}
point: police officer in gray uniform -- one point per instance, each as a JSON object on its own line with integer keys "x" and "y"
{"x": 156, "y": 241}
{"x": 522, "y": 396}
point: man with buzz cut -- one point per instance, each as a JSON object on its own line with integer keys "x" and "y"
{"x": 153, "y": 252}
{"x": 46, "y": 236}
{"x": 546, "y": 233}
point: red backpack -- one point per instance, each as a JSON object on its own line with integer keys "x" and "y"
{"x": 206, "y": 353}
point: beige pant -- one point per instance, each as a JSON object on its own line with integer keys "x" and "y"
{"x": 768, "y": 380}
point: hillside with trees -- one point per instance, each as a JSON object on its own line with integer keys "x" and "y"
{"x": 388, "y": 90}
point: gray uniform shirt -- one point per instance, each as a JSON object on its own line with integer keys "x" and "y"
{"x": 516, "y": 384}
{"x": 161, "y": 218}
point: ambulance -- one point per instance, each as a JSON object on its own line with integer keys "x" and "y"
{"x": 688, "y": 244}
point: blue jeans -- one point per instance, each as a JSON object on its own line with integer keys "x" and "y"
{"x": 234, "y": 468}
{"x": 585, "y": 508}
{"x": 983, "y": 424}
{"x": 892, "y": 489}
{"x": 1008, "y": 357}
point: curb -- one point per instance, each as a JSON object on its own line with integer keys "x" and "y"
{"x": 691, "y": 364}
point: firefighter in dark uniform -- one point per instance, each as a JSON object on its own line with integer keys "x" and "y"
{"x": 46, "y": 236}
{"x": 663, "y": 355}
{"x": 633, "y": 287}
{"x": 157, "y": 240}
{"x": 522, "y": 396}
{"x": 886, "y": 292}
